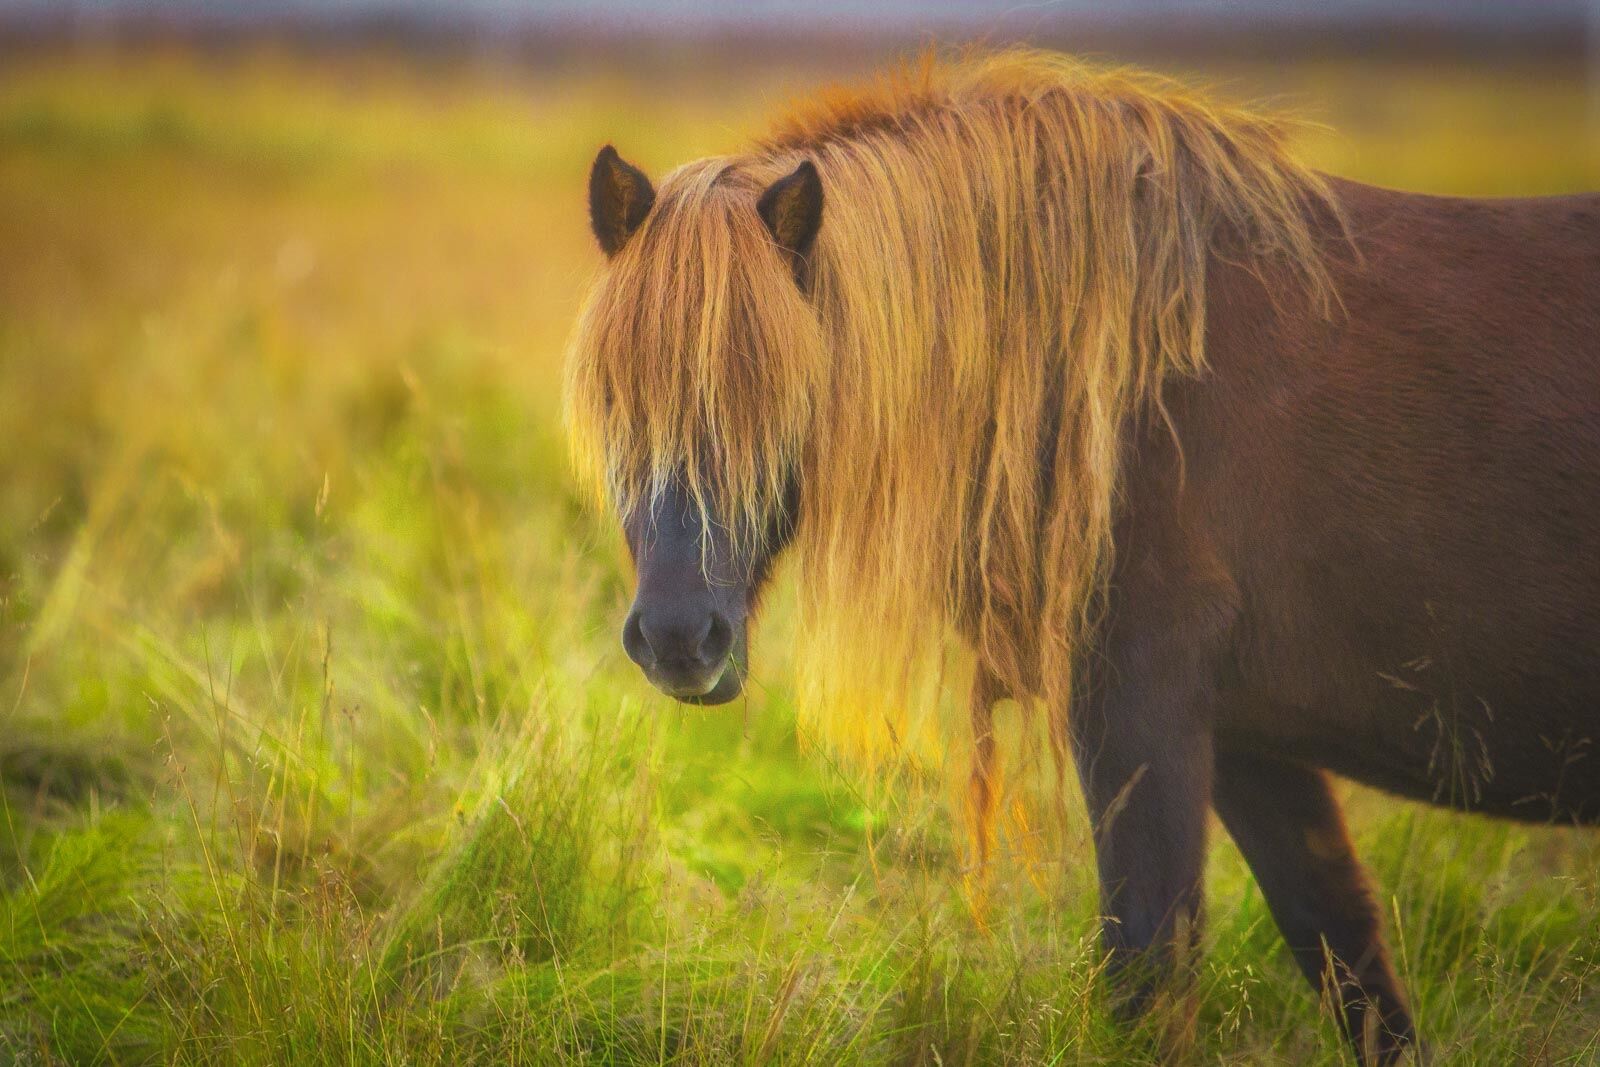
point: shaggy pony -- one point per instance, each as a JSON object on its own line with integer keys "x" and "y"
{"x": 1359, "y": 542}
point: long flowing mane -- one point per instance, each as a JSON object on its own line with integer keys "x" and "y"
{"x": 1012, "y": 262}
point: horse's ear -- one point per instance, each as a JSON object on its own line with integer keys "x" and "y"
{"x": 620, "y": 197}
{"x": 792, "y": 209}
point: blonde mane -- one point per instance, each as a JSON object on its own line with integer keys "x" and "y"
{"x": 1011, "y": 263}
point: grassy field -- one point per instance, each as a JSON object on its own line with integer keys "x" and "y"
{"x": 315, "y": 738}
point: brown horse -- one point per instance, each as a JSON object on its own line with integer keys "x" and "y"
{"x": 1243, "y": 474}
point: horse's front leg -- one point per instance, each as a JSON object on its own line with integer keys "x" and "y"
{"x": 1143, "y": 748}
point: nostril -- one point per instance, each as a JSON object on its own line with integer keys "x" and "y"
{"x": 718, "y": 639}
{"x": 678, "y": 639}
{"x": 671, "y": 638}
{"x": 634, "y": 642}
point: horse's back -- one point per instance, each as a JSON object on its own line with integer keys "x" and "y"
{"x": 1407, "y": 498}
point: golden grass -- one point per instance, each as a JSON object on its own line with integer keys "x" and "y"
{"x": 317, "y": 743}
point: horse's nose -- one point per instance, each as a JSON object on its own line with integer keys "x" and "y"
{"x": 672, "y": 641}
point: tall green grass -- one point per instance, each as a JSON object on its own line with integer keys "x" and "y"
{"x": 315, "y": 742}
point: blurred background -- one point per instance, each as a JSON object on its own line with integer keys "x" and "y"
{"x": 316, "y": 740}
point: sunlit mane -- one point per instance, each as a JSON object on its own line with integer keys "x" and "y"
{"x": 1012, "y": 261}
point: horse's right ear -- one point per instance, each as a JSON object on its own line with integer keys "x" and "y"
{"x": 620, "y": 197}
{"x": 792, "y": 209}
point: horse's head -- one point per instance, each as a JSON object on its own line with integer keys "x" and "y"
{"x": 684, "y": 391}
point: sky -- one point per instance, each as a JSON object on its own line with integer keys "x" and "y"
{"x": 1510, "y": 14}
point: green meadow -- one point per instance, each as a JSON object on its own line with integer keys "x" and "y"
{"x": 316, "y": 740}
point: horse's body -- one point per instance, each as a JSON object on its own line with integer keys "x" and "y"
{"x": 1398, "y": 509}
{"x": 1353, "y": 535}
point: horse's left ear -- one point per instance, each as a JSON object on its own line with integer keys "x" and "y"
{"x": 620, "y": 197}
{"x": 792, "y": 209}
